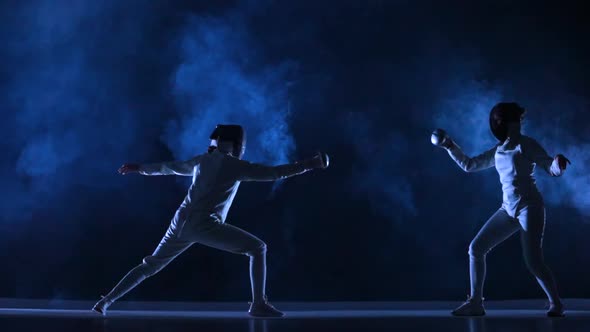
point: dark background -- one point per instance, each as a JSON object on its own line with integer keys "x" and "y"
{"x": 88, "y": 85}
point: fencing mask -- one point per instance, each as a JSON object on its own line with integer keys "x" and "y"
{"x": 229, "y": 139}
{"x": 502, "y": 115}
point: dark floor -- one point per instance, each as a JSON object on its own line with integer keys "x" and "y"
{"x": 27, "y": 315}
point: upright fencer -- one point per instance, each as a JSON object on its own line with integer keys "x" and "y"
{"x": 522, "y": 210}
{"x": 216, "y": 176}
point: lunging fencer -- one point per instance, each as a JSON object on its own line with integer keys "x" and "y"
{"x": 216, "y": 176}
{"x": 522, "y": 210}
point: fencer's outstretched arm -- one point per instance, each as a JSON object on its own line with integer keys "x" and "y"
{"x": 257, "y": 172}
{"x": 485, "y": 160}
{"x": 468, "y": 164}
{"x": 183, "y": 168}
{"x": 535, "y": 153}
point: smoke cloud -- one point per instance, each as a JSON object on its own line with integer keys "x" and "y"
{"x": 222, "y": 79}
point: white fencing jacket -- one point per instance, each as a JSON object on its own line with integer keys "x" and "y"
{"x": 216, "y": 178}
{"x": 515, "y": 161}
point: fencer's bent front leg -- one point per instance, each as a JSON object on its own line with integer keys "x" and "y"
{"x": 258, "y": 273}
{"x": 497, "y": 229}
{"x": 233, "y": 239}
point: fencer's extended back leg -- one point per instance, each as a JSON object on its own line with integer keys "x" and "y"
{"x": 168, "y": 249}
{"x": 235, "y": 240}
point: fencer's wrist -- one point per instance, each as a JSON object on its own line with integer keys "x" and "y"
{"x": 448, "y": 144}
{"x": 309, "y": 164}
